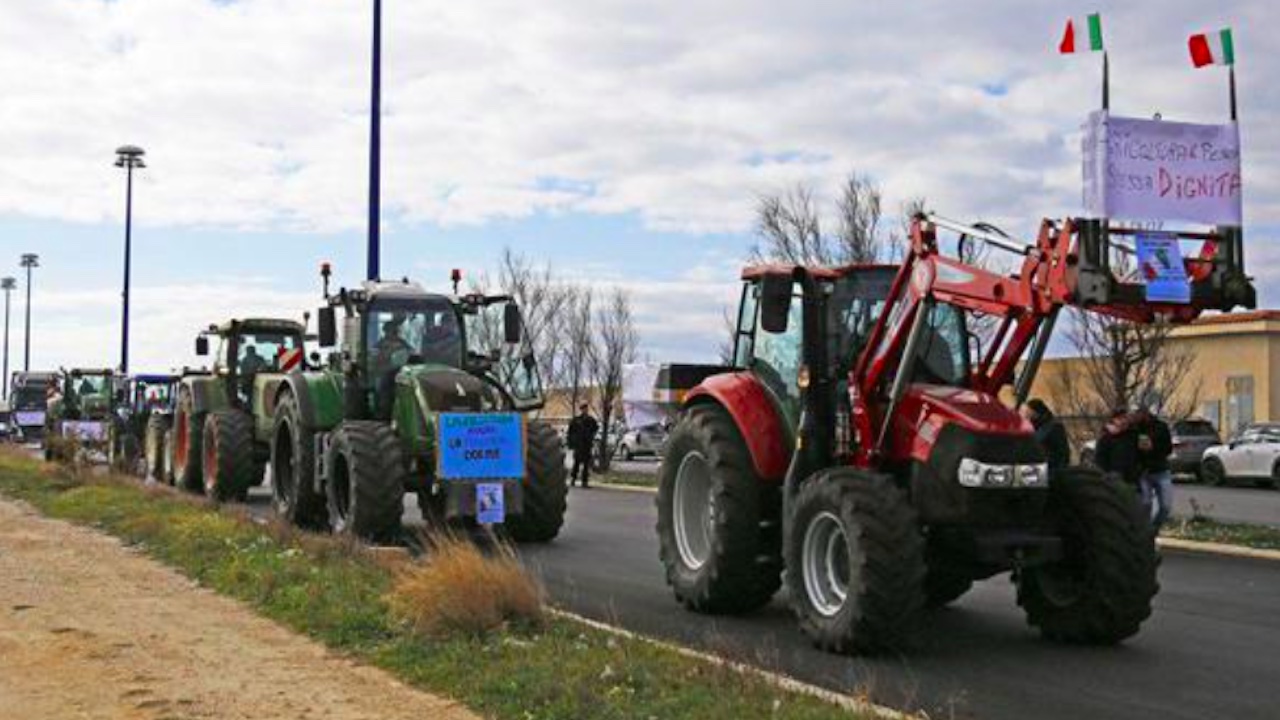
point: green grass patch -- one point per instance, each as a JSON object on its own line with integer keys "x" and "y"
{"x": 1203, "y": 529}
{"x": 335, "y": 592}
{"x": 632, "y": 479}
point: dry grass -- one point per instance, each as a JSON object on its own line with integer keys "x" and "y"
{"x": 460, "y": 590}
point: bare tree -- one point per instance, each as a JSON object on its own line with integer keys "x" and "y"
{"x": 616, "y": 343}
{"x": 578, "y": 328}
{"x": 725, "y": 348}
{"x": 1122, "y": 365}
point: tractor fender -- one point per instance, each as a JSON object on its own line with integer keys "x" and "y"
{"x": 756, "y": 416}
{"x": 319, "y": 398}
{"x": 208, "y": 393}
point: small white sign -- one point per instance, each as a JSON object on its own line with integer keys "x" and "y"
{"x": 1138, "y": 169}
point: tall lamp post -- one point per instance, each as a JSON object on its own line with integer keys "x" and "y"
{"x": 374, "y": 270}
{"x": 7, "y": 284}
{"x": 29, "y": 261}
{"x": 127, "y": 157}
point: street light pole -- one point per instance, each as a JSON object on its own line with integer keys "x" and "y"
{"x": 375, "y": 148}
{"x": 127, "y": 157}
{"x": 7, "y": 284}
{"x": 29, "y": 261}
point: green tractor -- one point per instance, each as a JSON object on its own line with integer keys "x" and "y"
{"x": 426, "y": 394}
{"x": 219, "y": 441}
{"x": 137, "y": 399}
{"x": 80, "y": 411}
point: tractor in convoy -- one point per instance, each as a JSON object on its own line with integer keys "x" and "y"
{"x": 129, "y": 447}
{"x": 29, "y": 404}
{"x": 425, "y": 394}
{"x": 221, "y": 421}
{"x": 80, "y": 411}
{"x": 859, "y": 451}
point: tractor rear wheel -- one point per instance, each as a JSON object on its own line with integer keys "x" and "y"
{"x": 718, "y": 521}
{"x": 228, "y": 455}
{"x": 188, "y": 434}
{"x": 855, "y": 562}
{"x": 1101, "y": 590}
{"x": 366, "y": 481}
{"x": 293, "y": 468}
{"x": 153, "y": 444}
{"x": 544, "y": 488}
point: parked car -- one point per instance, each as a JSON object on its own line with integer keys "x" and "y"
{"x": 1253, "y": 455}
{"x": 646, "y": 440}
{"x": 1190, "y": 438}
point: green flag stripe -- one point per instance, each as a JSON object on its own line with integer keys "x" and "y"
{"x": 1095, "y": 32}
{"x": 1228, "y": 47}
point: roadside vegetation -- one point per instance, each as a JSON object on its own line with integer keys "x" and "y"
{"x": 1201, "y": 527}
{"x": 466, "y": 624}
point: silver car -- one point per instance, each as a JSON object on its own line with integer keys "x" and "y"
{"x": 646, "y": 440}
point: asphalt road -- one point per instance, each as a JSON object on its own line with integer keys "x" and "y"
{"x": 1209, "y": 650}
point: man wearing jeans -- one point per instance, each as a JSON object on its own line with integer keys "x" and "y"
{"x": 1154, "y": 446}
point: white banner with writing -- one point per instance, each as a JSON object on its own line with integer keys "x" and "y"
{"x": 1138, "y": 169}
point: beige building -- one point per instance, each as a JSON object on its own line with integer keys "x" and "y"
{"x": 1235, "y": 373}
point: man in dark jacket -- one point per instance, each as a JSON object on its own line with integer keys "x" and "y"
{"x": 1050, "y": 433}
{"x": 582, "y": 435}
{"x": 1117, "y": 449}
{"x": 1155, "y": 444}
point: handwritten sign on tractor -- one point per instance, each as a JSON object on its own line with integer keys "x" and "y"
{"x": 1158, "y": 170}
{"x": 480, "y": 446}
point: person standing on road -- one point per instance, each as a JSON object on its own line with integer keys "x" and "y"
{"x": 1116, "y": 452}
{"x": 582, "y": 435}
{"x": 1050, "y": 433}
{"x": 1155, "y": 443}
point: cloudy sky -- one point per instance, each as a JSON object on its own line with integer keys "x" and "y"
{"x": 621, "y": 142}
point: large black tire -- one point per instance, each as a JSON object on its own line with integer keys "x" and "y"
{"x": 153, "y": 444}
{"x": 188, "y": 436}
{"x": 734, "y": 564}
{"x": 545, "y": 487}
{"x": 293, "y": 467}
{"x": 1101, "y": 591}
{"x": 867, "y": 537}
{"x": 227, "y": 465}
{"x": 366, "y": 481}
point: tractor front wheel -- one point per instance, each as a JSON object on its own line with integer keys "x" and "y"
{"x": 228, "y": 455}
{"x": 188, "y": 435}
{"x": 366, "y": 481}
{"x": 855, "y": 562}
{"x": 718, "y": 522}
{"x": 1101, "y": 590}
{"x": 293, "y": 467}
{"x": 544, "y": 488}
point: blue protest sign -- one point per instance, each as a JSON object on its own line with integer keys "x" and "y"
{"x": 1161, "y": 267}
{"x": 479, "y": 446}
{"x": 491, "y": 507}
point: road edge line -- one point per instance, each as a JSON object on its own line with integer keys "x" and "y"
{"x": 778, "y": 680}
{"x": 1218, "y": 549}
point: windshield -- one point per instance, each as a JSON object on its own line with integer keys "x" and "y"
{"x": 423, "y": 330}
{"x": 261, "y": 351}
{"x": 857, "y": 300}
{"x": 89, "y": 385}
{"x": 29, "y": 398}
{"x": 153, "y": 394}
{"x": 1194, "y": 427}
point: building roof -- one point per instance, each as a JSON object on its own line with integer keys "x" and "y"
{"x": 1239, "y": 317}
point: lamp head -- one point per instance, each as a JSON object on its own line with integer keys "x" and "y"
{"x": 30, "y": 260}
{"x": 8, "y": 283}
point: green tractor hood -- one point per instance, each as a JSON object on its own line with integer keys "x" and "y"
{"x": 423, "y": 391}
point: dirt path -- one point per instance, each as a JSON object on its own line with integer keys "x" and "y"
{"x": 90, "y": 629}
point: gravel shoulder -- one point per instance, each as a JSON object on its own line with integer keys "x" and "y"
{"x": 92, "y": 629}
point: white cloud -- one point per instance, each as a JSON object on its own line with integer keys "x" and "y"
{"x": 254, "y": 111}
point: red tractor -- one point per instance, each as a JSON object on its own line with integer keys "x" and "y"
{"x": 859, "y": 452}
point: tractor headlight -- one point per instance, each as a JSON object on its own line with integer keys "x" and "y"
{"x": 977, "y": 474}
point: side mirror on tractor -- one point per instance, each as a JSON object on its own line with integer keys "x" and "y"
{"x": 511, "y": 323}
{"x": 775, "y": 303}
{"x": 202, "y": 345}
{"x": 327, "y": 327}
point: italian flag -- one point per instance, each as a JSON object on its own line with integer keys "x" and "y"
{"x": 1092, "y": 26}
{"x": 1212, "y": 48}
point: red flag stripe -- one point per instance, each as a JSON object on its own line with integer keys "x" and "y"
{"x": 1068, "y": 44}
{"x": 289, "y": 359}
{"x": 1201, "y": 55}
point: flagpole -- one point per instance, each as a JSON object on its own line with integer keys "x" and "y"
{"x": 1106, "y": 82}
{"x": 1231, "y": 76}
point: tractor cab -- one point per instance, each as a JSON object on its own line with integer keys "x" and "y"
{"x": 252, "y": 347}
{"x": 84, "y": 394}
